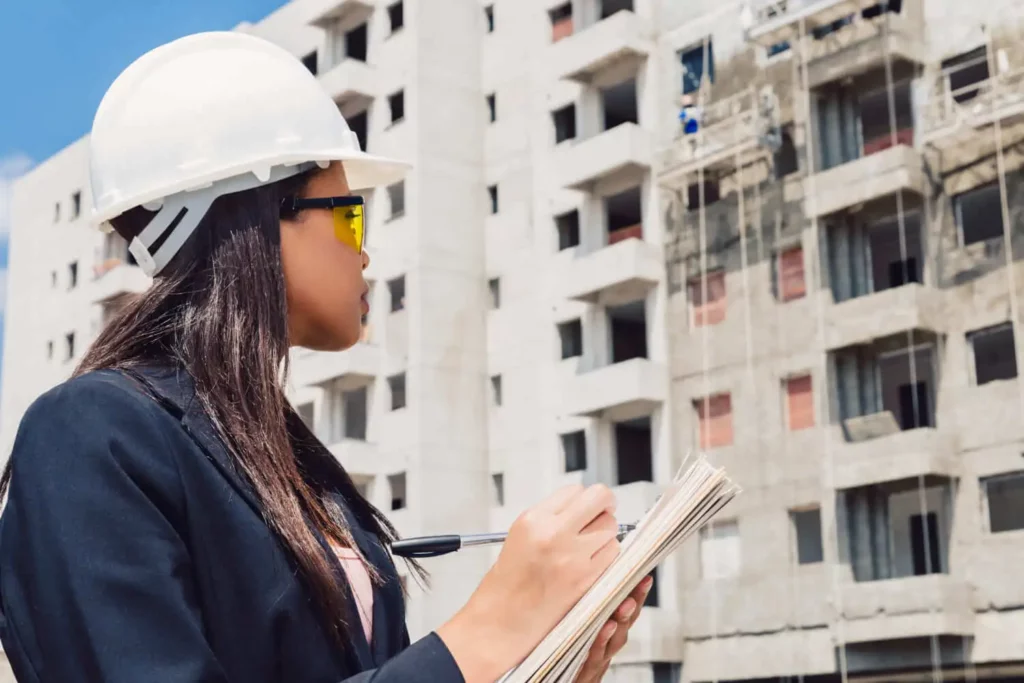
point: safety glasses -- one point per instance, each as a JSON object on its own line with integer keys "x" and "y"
{"x": 349, "y": 216}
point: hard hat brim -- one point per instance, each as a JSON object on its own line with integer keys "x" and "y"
{"x": 362, "y": 171}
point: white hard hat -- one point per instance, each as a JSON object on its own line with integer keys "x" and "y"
{"x": 208, "y": 115}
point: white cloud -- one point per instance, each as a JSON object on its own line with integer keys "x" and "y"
{"x": 11, "y": 167}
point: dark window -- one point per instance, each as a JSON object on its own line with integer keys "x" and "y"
{"x": 494, "y": 287}
{"x": 396, "y": 288}
{"x": 914, "y": 406}
{"x": 310, "y": 62}
{"x": 570, "y": 334}
{"x": 396, "y": 198}
{"x": 652, "y": 595}
{"x": 634, "y": 455}
{"x": 397, "y": 482}
{"x": 568, "y": 225}
{"x": 49, "y": 350}
{"x": 610, "y": 7}
{"x": 785, "y": 156}
{"x": 964, "y": 70}
{"x": 396, "y": 16}
{"x": 492, "y": 194}
{"x": 696, "y": 63}
{"x": 574, "y": 449}
{"x": 73, "y": 275}
{"x": 876, "y": 125}
{"x": 492, "y": 107}
{"x": 356, "y": 42}
{"x": 561, "y": 13}
{"x": 69, "y": 342}
{"x": 666, "y": 672}
{"x": 489, "y": 18}
{"x": 924, "y": 543}
{"x": 396, "y": 104}
{"x": 711, "y": 194}
{"x": 305, "y": 411}
{"x": 360, "y": 125}
{"x": 496, "y": 389}
{"x": 354, "y": 408}
{"x": 396, "y": 385}
{"x": 1005, "y": 496}
{"x": 76, "y": 205}
{"x": 498, "y": 480}
{"x": 619, "y": 104}
{"x": 807, "y": 528}
{"x": 995, "y": 355}
{"x": 979, "y": 213}
{"x": 565, "y": 123}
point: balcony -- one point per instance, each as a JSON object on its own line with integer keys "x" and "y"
{"x": 356, "y": 367}
{"x": 893, "y": 455}
{"x": 618, "y": 392}
{"x": 623, "y": 151}
{"x": 115, "y": 278}
{"x": 326, "y": 13}
{"x": 908, "y": 607}
{"x": 864, "y": 46}
{"x": 953, "y": 115}
{"x": 615, "y": 274}
{"x": 579, "y": 57}
{"x": 776, "y": 21}
{"x": 866, "y": 179}
{"x": 350, "y": 80}
{"x": 864, "y": 319}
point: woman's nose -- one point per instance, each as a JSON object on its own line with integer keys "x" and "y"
{"x": 366, "y": 259}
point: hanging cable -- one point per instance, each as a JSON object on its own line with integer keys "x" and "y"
{"x": 822, "y": 396}
{"x": 885, "y": 29}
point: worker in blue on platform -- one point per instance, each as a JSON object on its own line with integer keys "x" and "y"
{"x": 169, "y": 516}
{"x": 689, "y": 115}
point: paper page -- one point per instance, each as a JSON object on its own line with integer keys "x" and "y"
{"x": 695, "y": 495}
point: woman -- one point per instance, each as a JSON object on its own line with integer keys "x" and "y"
{"x": 169, "y": 517}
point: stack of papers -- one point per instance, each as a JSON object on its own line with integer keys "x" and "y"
{"x": 697, "y": 493}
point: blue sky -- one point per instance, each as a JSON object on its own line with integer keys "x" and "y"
{"x": 57, "y": 58}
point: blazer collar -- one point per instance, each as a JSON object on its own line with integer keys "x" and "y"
{"x": 174, "y": 388}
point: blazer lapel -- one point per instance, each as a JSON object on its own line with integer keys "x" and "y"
{"x": 175, "y": 387}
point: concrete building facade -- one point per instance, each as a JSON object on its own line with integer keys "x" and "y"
{"x": 812, "y": 287}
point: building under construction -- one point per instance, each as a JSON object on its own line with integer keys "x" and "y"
{"x": 844, "y": 210}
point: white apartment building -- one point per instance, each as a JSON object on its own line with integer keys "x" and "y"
{"x": 525, "y": 331}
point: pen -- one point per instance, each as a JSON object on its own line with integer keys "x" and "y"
{"x": 433, "y": 546}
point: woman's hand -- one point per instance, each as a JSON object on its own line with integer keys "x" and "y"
{"x": 554, "y": 553}
{"x": 613, "y": 636}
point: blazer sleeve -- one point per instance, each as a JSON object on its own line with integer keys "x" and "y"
{"x": 428, "y": 660}
{"x": 93, "y": 574}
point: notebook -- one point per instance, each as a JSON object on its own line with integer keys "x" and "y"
{"x": 697, "y": 493}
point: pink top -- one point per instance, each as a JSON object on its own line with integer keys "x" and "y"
{"x": 359, "y": 582}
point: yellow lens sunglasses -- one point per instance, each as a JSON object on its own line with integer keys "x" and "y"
{"x": 349, "y": 216}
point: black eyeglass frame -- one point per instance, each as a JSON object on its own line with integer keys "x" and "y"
{"x": 296, "y": 204}
{"x": 292, "y": 205}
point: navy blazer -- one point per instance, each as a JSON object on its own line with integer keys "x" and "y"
{"x": 131, "y": 551}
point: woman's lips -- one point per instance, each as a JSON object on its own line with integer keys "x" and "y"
{"x": 364, "y": 304}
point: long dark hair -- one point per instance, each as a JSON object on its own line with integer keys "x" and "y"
{"x": 219, "y": 312}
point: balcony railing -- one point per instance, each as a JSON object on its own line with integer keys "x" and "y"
{"x": 952, "y": 112}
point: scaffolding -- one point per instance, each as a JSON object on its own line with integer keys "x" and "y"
{"x": 959, "y": 108}
{"x": 736, "y": 130}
